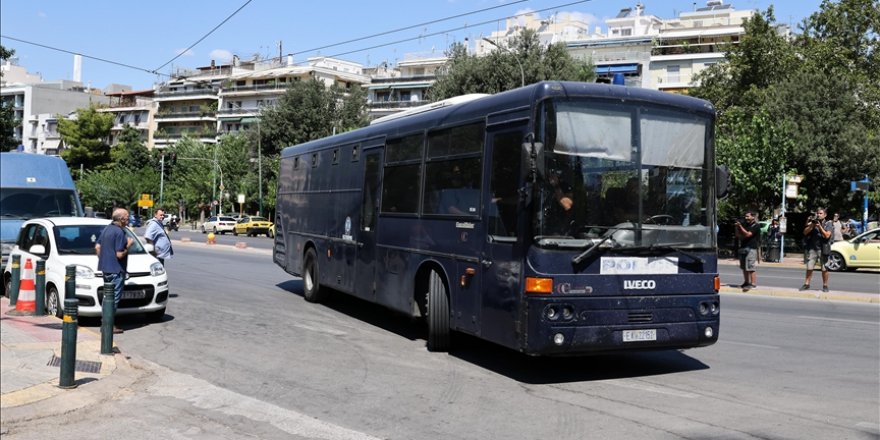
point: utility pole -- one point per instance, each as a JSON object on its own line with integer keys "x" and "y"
{"x": 161, "y": 179}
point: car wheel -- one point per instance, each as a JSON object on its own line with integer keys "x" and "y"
{"x": 438, "y": 314}
{"x": 235, "y": 232}
{"x": 203, "y": 229}
{"x": 836, "y": 262}
{"x": 156, "y": 316}
{"x": 312, "y": 291}
{"x": 53, "y": 302}
{"x": 215, "y": 230}
{"x": 250, "y": 232}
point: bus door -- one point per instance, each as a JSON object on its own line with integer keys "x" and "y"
{"x": 501, "y": 259}
{"x": 366, "y": 266}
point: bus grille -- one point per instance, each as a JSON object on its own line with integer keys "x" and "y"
{"x": 640, "y": 317}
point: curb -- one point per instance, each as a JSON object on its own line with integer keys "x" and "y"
{"x": 47, "y": 400}
{"x": 793, "y": 293}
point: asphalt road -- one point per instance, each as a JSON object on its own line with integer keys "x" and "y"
{"x": 242, "y": 355}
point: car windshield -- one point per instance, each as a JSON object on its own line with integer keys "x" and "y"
{"x": 258, "y": 219}
{"x": 636, "y": 168}
{"x": 81, "y": 239}
{"x": 27, "y": 203}
{"x": 226, "y": 219}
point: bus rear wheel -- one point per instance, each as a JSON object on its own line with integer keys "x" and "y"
{"x": 438, "y": 313}
{"x": 312, "y": 291}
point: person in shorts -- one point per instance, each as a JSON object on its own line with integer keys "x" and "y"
{"x": 818, "y": 234}
{"x": 749, "y": 233}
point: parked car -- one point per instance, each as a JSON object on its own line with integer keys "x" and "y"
{"x": 272, "y": 230}
{"x": 859, "y": 252}
{"x": 63, "y": 241}
{"x": 218, "y": 224}
{"x": 252, "y": 226}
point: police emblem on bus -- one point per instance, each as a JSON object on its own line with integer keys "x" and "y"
{"x": 639, "y": 284}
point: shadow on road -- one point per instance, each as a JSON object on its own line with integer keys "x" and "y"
{"x": 510, "y": 363}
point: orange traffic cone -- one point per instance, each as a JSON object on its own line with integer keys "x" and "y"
{"x": 27, "y": 294}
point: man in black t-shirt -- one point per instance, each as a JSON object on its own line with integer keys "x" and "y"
{"x": 817, "y": 233}
{"x": 749, "y": 232}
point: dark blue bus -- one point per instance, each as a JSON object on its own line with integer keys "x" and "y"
{"x": 558, "y": 218}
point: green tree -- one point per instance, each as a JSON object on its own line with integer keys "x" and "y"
{"x": 130, "y": 151}
{"x": 310, "y": 110}
{"x": 527, "y": 60}
{"x": 813, "y": 97}
{"x": 7, "y": 115}
{"x": 86, "y": 138}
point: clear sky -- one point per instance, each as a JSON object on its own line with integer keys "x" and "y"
{"x": 148, "y": 34}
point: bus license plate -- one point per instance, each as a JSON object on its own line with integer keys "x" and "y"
{"x": 639, "y": 335}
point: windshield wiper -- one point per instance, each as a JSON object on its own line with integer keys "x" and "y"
{"x": 583, "y": 255}
{"x": 663, "y": 247}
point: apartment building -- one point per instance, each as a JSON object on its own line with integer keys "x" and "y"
{"x": 393, "y": 89}
{"x": 135, "y": 109}
{"x": 243, "y": 95}
{"x": 693, "y": 41}
{"x": 37, "y": 107}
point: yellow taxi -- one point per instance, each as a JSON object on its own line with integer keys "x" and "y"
{"x": 252, "y": 225}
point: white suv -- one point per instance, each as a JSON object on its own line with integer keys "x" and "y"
{"x": 221, "y": 224}
{"x": 62, "y": 241}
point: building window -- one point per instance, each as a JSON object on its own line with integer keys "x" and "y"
{"x": 673, "y": 74}
{"x": 626, "y": 32}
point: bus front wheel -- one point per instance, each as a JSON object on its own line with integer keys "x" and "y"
{"x": 438, "y": 314}
{"x": 311, "y": 287}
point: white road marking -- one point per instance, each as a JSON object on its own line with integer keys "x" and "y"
{"x": 207, "y": 396}
{"x": 748, "y": 344}
{"x": 642, "y": 386}
{"x": 855, "y": 321}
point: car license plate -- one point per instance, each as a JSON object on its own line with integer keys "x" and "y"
{"x": 639, "y": 335}
{"x": 134, "y": 294}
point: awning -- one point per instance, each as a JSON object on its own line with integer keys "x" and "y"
{"x": 418, "y": 85}
{"x": 620, "y": 68}
{"x": 250, "y": 120}
{"x": 380, "y": 87}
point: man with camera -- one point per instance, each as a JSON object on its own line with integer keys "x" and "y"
{"x": 818, "y": 242}
{"x": 748, "y": 232}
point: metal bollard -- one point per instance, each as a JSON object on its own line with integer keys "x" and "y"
{"x": 70, "y": 281}
{"x": 16, "y": 281}
{"x": 68, "y": 345}
{"x": 108, "y": 309}
{"x": 40, "y": 288}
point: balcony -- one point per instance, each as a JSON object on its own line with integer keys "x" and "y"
{"x": 182, "y": 93}
{"x": 200, "y": 115}
{"x": 397, "y": 104}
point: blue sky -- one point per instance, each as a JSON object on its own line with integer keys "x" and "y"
{"x": 147, "y": 35}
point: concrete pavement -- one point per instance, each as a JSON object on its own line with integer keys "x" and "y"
{"x": 30, "y": 348}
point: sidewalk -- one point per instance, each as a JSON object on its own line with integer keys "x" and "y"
{"x": 797, "y": 261}
{"x": 30, "y": 352}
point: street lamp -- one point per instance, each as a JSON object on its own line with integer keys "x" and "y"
{"x": 522, "y": 72}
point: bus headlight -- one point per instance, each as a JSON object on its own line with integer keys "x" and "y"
{"x": 709, "y": 332}
{"x": 551, "y": 313}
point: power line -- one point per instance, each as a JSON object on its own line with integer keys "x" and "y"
{"x": 206, "y": 35}
{"x": 455, "y": 29}
{"x": 81, "y": 54}
{"x": 410, "y": 27}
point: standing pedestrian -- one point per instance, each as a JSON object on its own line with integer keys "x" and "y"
{"x": 837, "y": 233}
{"x": 749, "y": 233}
{"x": 112, "y": 248}
{"x": 773, "y": 238}
{"x": 157, "y": 236}
{"x": 818, "y": 232}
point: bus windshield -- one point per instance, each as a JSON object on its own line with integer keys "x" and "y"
{"x": 639, "y": 172}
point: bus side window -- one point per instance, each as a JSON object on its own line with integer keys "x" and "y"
{"x": 504, "y": 183}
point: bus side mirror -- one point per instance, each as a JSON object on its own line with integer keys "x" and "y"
{"x": 722, "y": 181}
